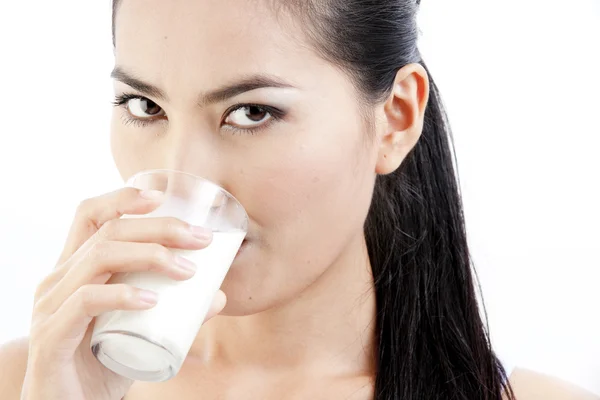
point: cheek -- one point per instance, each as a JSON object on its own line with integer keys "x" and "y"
{"x": 307, "y": 204}
{"x": 313, "y": 196}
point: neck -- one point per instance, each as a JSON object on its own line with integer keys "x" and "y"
{"x": 327, "y": 329}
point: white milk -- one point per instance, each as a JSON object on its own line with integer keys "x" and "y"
{"x": 182, "y": 306}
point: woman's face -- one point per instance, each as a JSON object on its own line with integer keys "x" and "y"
{"x": 232, "y": 92}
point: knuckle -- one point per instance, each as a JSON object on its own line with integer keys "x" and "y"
{"x": 39, "y": 292}
{"x": 85, "y": 296}
{"x": 159, "y": 255}
{"x": 124, "y": 296}
{"x": 40, "y": 306}
{"x": 128, "y": 194}
{"x": 99, "y": 251}
{"x": 42, "y": 289}
{"x": 110, "y": 229}
{"x": 173, "y": 226}
{"x": 85, "y": 206}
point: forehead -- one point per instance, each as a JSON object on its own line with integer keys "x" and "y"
{"x": 208, "y": 39}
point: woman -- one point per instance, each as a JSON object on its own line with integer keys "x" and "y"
{"x": 355, "y": 281}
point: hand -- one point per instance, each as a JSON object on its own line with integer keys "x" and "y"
{"x": 61, "y": 364}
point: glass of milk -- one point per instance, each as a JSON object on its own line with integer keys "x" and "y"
{"x": 151, "y": 345}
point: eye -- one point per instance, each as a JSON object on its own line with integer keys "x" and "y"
{"x": 143, "y": 108}
{"x": 248, "y": 116}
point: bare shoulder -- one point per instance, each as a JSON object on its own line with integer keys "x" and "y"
{"x": 529, "y": 385}
{"x": 13, "y": 364}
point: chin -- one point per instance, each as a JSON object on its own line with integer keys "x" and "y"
{"x": 241, "y": 303}
{"x": 242, "y": 285}
{"x": 259, "y": 281}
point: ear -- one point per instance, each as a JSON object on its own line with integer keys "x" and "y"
{"x": 403, "y": 116}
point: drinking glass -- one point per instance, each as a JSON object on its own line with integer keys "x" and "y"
{"x": 151, "y": 345}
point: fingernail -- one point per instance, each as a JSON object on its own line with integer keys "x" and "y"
{"x": 151, "y": 194}
{"x": 185, "y": 264}
{"x": 201, "y": 233}
{"x": 147, "y": 297}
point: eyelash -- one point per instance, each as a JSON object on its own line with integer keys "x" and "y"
{"x": 275, "y": 113}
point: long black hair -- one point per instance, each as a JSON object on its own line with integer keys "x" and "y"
{"x": 431, "y": 339}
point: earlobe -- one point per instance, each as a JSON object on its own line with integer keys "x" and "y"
{"x": 404, "y": 116}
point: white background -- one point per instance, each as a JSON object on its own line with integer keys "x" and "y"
{"x": 521, "y": 80}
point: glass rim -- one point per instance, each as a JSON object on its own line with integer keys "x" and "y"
{"x": 190, "y": 175}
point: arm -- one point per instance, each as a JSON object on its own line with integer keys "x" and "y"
{"x": 529, "y": 385}
{"x": 13, "y": 364}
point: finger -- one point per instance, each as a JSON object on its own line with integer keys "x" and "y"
{"x": 218, "y": 304}
{"x": 66, "y": 328}
{"x": 95, "y": 212}
{"x": 108, "y": 258}
{"x": 169, "y": 232}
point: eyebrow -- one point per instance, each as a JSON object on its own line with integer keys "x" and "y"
{"x": 120, "y": 75}
{"x": 219, "y": 95}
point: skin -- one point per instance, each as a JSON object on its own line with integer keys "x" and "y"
{"x": 298, "y": 322}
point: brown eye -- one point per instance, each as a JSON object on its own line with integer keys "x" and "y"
{"x": 255, "y": 114}
{"x": 248, "y": 116}
{"x": 143, "y": 108}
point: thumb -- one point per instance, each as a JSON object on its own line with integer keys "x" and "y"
{"x": 217, "y": 305}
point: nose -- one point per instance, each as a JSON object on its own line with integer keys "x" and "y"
{"x": 194, "y": 151}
